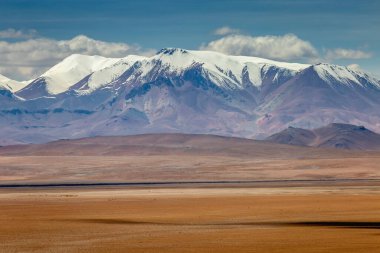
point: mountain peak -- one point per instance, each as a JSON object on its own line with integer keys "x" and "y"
{"x": 171, "y": 51}
{"x": 67, "y": 73}
{"x": 82, "y": 58}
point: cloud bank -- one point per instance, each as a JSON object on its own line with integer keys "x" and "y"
{"x": 17, "y": 34}
{"x": 286, "y": 47}
{"x": 30, "y": 58}
{"x": 341, "y": 53}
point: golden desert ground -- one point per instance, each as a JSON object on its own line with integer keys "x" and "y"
{"x": 297, "y": 219}
{"x": 210, "y": 194}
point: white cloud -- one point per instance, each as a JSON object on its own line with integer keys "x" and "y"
{"x": 28, "y": 59}
{"x": 225, "y": 30}
{"x": 355, "y": 67}
{"x": 341, "y": 53}
{"x": 287, "y": 47}
{"x": 17, "y": 34}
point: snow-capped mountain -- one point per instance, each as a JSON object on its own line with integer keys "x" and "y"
{"x": 187, "y": 91}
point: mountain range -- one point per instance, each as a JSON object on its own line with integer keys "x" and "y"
{"x": 183, "y": 91}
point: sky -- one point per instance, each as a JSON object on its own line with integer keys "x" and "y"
{"x": 36, "y": 34}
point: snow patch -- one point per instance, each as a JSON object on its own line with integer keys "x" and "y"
{"x": 10, "y": 84}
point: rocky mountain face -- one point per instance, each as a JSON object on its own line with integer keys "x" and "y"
{"x": 184, "y": 91}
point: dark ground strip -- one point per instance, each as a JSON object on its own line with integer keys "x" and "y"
{"x": 329, "y": 224}
{"x": 340, "y": 224}
{"x": 200, "y": 183}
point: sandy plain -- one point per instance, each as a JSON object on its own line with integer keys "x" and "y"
{"x": 285, "y": 219}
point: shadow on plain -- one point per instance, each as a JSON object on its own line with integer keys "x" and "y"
{"x": 330, "y": 224}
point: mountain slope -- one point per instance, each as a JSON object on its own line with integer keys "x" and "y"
{"x": 343, "y": 136}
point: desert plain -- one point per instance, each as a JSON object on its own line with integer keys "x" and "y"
{"x": 296, "y": 219}
{"x": 181, "y": 193}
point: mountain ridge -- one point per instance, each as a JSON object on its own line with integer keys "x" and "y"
{"x": 334, "y": 135}
{"x": 163, "y": 143}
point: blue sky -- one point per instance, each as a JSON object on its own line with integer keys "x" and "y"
{"x": 327, "y": 25}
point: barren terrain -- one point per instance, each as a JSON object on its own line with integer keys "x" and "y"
{"x": 301, "y": 219}
{"x": 179, "y": 158}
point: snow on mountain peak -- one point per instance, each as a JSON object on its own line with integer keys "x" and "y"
{"x": 10, "y": 84}
{"x": 225, "y": 71}
{"x": 220, "y": 68}
{"x": 340, "y": 74}
{"x": 171, "y": 51}
{"x": 231, "y": 67}
{"x": 108, "y": 74}
{"x": 72, "y": 69}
